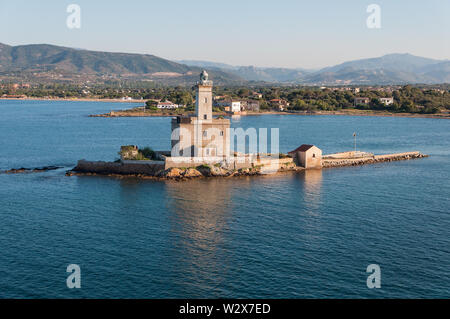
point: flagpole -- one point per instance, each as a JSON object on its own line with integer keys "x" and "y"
{"x": 354, "y": 134}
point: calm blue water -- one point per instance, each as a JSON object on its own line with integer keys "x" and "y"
{"x": 292, "y": 236}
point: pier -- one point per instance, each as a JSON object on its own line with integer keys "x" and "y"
{"x": 340, "y": 159}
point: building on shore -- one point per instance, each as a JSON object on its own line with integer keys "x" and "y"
{"x": 252, "y": 105}
{"x": 201, "y": 135}
{"x": 387, "y": 100}
{"x": 307, "y": 156}
{"x": 230, "y": 105}
{"x": 167, "y": 105}
{"x": 361, "y": 101}
{"x": 279, "y": 104}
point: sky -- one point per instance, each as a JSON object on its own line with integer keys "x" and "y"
{"x": 283, "y": 33}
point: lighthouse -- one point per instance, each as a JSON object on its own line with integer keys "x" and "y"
{"x": 201, "y": 136}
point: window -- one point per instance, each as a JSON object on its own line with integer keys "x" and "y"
{"x": 205, "y": 117}
{"x": 221, "y": 133}
{"x": 206, "y": 100}
{"x": 210, "y": 151}
{"x": 314, "y": 155}
{"x": 205, "y": 133}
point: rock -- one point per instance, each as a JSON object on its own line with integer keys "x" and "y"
{"x": 173, "y": 173}
{"x": 46, "y": 168}
{"x": 191, "y": 173}
{"x": 218, "y": 171}
{"x": 70, "y": 173}
{"x": 33, "y": 170}
{"x": 17, "y": 170}
{"x": 205, "y": 170}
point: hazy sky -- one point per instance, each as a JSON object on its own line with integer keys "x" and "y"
{"x": 284, "y": 33}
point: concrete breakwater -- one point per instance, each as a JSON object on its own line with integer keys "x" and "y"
{"x": 340, "y": 162}
{"x": 157, "y": 169}
{"x": 117, "y": 168}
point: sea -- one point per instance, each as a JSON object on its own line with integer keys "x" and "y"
{"x": 309, "y": 234}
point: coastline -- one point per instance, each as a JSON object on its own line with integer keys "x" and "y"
{"x": 131, "y": 113}
{"x": 70, "y": 100}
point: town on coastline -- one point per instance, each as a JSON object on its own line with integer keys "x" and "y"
{"x": 407, "y": 100}
{"x": 202, "y": 146}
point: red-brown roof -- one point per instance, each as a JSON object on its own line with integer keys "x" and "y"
{"x": 302, "y": 148}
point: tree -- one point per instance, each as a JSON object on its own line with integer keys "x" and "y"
{"x": 264, "y": 106}
{"x": 243, "y": 93}
{"x": 149, "y": 153}
{"x": 300, "y": 104}
{"x": 151, "y": 105}
{"x": 408, "y": 106}
{"x": 376, "y": 104}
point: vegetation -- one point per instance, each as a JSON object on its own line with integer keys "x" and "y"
{"x": 131, "y": 153}
{"x": 147, "y": 152}
{"x": 427, "y": 99}
{"x": 203, "y": 166}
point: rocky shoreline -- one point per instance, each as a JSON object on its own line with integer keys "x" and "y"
{"x": 159, "y": 173}
{"x": 142, "y": 113}
{"x": 30, "y": 170}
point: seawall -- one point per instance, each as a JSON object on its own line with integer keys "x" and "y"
{"x": 113, "y": 168}
{"x": 340, "y": 162}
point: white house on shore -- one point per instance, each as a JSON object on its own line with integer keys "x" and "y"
{"x": 230, "y": 105}
{"x": 235, "y": 106}
{"x": 167, "y": 105}
{"x": 387, "y": 100}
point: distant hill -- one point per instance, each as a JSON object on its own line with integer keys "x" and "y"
{"x": 252, "y": 73}
{"x": 208, "y": 64}
{"x": 43, "y": 60}
{"x": 388, "y": 69}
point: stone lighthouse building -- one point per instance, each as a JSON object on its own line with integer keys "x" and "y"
{"x": 201, "y": 136}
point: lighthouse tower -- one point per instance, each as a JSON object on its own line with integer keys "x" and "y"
{"x": 201, "y": 136}
{"x": 204, "y": 98}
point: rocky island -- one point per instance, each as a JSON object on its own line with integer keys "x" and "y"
{"x": 201, "y": 147}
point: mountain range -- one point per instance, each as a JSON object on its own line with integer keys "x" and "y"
{"x": 388, "y": 69}
{"x": 43, "y": 62}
